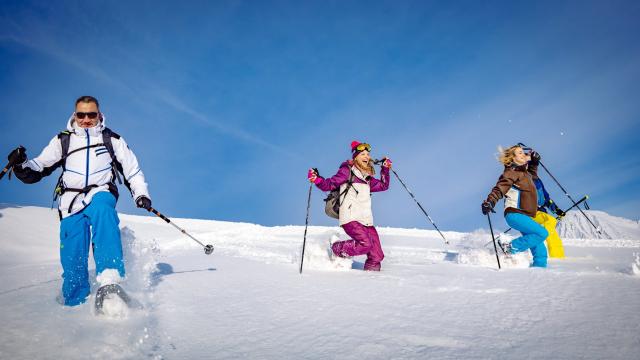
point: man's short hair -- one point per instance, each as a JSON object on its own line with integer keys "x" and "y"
{"x": 87, "y": 99}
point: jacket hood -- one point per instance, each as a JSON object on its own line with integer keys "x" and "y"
{"x": 96, "y": 130}
{"x": 356, "y": 172}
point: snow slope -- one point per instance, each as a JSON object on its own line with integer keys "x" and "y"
{"x": 247, "y": 300}
{"x": 575, "y": 226}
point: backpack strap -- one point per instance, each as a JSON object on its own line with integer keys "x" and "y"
{"x": 116, "y": 166}
{"x": 64, "y": 137}
{"x": 64, "y": 143}
{"x": 349, "y": 186}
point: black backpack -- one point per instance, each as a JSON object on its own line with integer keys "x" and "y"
{"x": 332, "y": 202}
{"x": 116, "y": 166}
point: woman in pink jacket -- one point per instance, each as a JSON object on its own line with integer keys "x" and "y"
{"x": 356, "y": 183}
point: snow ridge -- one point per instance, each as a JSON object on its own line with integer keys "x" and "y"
{"x": 575, "y": 226}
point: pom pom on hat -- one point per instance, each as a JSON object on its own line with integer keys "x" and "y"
{"x": 354, "y": 148}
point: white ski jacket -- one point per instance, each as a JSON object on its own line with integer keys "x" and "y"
{"x": 355, "y": 204}
{"x": 91, "y": 166}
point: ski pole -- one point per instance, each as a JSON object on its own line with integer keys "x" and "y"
{"x": 495, "y": 247}
{"x": 584, "y": 198}
{"x": 557, "y": 217}
{"x": 306, "y": 224}
{"x": 414, "y": 199}
{"x": 565, "y": 192}
{"x": 208, "y": 249}
{"x": 5, "y": 170}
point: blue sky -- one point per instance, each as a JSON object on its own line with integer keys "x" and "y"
{"x": 228, "y": 103}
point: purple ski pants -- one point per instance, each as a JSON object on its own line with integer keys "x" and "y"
{"x": 364, "y": 240}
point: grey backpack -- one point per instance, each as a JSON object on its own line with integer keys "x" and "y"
{"x": 332, "y": 202}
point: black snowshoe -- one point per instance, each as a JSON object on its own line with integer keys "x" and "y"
{"x": 106, "y": 290}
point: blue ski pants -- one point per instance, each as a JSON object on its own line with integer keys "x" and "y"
{"x": 97, "y": 224}
{"x": 533, "y": 236}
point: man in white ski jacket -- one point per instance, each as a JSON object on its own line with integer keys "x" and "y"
{"x": 87, "y": 193}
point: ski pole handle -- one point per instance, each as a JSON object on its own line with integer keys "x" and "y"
{"x": 379, "y": 161}
{"x": 158, "y": 214}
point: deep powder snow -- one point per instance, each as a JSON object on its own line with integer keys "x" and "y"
{"x": 247, "y": 300}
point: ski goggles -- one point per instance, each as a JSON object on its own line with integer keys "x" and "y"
{"x": 90, "y": 115}
{"x": 362, "y": 147}
{"x": 524, "y": 148}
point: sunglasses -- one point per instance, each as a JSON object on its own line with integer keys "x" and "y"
{"x": 363, "y": 146}
{"x": 90, "y": 115}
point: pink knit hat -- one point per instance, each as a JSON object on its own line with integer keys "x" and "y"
{"x": 354, "y": 148}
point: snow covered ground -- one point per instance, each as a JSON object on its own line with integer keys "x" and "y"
{"x": 247, "y": 300}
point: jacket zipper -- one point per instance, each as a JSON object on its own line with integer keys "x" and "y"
{"x": 86, "y": 181}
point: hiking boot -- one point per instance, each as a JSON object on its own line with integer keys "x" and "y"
{"x": 336, "y": 248}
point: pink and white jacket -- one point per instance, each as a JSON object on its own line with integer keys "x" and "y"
{"x": 355, "y": 204}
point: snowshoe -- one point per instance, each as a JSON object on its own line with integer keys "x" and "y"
{"x": 108, "y": 291}
{"x": 506, "y": 248}
{"x": 330, "y": 251}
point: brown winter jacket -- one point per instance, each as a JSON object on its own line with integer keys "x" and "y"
{"x": 517, "y": 187}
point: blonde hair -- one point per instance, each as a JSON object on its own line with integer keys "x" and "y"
{"x": 370, "y": 169}
{"x": 505, "y": 156}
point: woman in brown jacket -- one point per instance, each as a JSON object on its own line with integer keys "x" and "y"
{"x": 521, "y": 203}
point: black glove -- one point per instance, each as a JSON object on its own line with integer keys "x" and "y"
{"x": 144, "y": 203}
{"x": 17, "y": 156}
{"x": 487, "y": 207}
{"x": 560, "y": 213}
{"x": 535, "y": 157}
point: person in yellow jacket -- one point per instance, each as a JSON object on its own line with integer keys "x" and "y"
{"x": 545, "y": 204}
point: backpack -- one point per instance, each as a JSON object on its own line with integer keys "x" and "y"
{"x": 332, "y": 202}
{"x": 116, "y": 166}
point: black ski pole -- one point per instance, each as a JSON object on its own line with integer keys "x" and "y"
{"x": 495, "y": 247}
{"x": 306, "y": 225}
{"x": 5, "y": 170}
{"x": 574, "y": 205}
{"x": 414, "y": 199}
{"x": 208, "y": 249}
{"x": 565, "y": 192}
